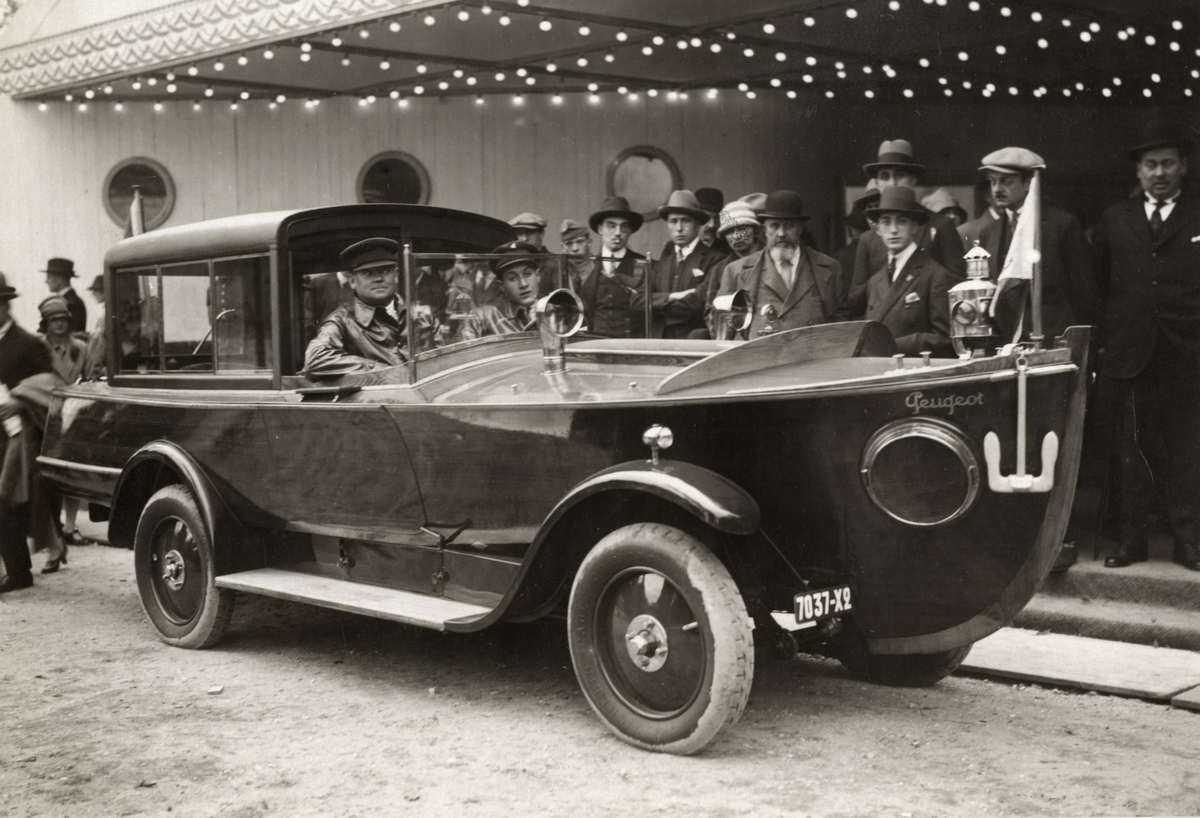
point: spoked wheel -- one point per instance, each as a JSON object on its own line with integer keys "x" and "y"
{"x": 173, "y": 560}
{"x": 660, "y": 638}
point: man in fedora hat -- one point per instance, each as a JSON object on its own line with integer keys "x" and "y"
{"x": 895, "y": 166}
{"x": 22, "y": 355}
{"x": 790, "y": 285}
{"x": 609, "y": 288}
{"x": 517, "y": 271}
{"x": 59, "y": 272}
{"x": 908, "y": 294}
{"x": 1068, "y": 286}
{"x": 1147, "y": 253}
{"x": 679, "y": 281}
{"x": 370, "y": 332}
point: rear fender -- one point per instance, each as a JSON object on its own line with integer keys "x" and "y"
{"x": 161, "y": 463}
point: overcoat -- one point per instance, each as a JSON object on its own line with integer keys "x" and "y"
{"x": 78, "y": 310}
{"x": 819, "y": 302}
{"x": 915, "y": 307}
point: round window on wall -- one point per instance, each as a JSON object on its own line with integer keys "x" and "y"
{"x": 395, "y": 177}
{"x": 645, "y": 176}
{"x": 148, "y": 177}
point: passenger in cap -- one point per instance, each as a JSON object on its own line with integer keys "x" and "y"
{"x": 517, "y": 272}
{"x": 530, "y": 229}
{"x": 370, "y": 332}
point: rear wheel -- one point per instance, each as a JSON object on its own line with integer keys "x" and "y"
{"x": 175, "y": 568}
{"x": 660, "y": 639}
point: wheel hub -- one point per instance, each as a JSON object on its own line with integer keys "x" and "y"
{"x": 646, "y": 642}
{"x": 174, "y": 573}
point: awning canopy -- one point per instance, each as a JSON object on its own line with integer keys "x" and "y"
{"x": 279, "y": 50}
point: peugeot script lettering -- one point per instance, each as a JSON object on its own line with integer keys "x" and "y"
{"x": 919, "y": 403}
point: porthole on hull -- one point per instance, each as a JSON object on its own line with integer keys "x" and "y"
{"x": 920, "y": 472}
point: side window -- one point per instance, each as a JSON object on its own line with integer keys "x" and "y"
{"x": 187, "y": 339}
{"x": 241, "y": 315}
{"x": 136, "y": 311}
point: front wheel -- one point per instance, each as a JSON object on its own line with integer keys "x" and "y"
{"x": 176, "y": 572}
{"x": 660, "y": 639}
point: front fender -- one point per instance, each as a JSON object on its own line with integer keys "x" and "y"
{"x": 716, "y": 500}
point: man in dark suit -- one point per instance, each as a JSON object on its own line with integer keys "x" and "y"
{"x": 680, "y": 279}
{"x": 790, "y": 285}
{"x": 895, "y": 166}
{"x": 1147, "y": 255}
{"x": 59, "y": 272}
{"x": 908, "y": 294}
{"x": 1068, "y": 286}
{"x": 609, "y": 289}
{"x": 21, "y": 355}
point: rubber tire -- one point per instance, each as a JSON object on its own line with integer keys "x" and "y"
{"x": 907, "y": 669}
{"x": 714, "y": 599}
{"x": 216, "y": 606}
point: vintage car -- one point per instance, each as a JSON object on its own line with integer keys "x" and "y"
{"x": 677, "y": 501}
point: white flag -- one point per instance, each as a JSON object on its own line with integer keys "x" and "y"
{"x": 1023, "y": 251}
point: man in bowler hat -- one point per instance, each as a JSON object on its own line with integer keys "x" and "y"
{"x": 59, "y": 272}
{"x": 1147, "y": 254}
{"x": 609, "y": 288}
{"x": 22, "y": 355}
{"x": 895, "y": 166}
{"x": 370, "y": 332}
{"x": 790, "y": 285}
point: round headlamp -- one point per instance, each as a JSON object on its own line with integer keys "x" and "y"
{"x": 920, "y": 471}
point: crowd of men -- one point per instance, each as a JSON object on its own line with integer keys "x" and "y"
{"x": 1135, "y": 282}
{"x": 31, "y": 366}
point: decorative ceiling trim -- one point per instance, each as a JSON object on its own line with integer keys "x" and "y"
{"x": 175, "y": 34}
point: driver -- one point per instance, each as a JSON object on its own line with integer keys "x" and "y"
{"x": 369, "y": 331}
{"x": 519, "y": 279}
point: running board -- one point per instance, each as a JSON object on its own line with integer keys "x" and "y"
{"x": 353, "y": 597}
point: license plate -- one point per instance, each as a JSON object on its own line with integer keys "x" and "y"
{"x": 814, "y": 606}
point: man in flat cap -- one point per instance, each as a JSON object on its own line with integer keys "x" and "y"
{"x": 530, "y": 229}
{"x": 790, "y": 285}
{"x": 895, "y": 166}
{"x": 370, "y": 331}
{"x": 22, "y": 355}
{"x": 1147, "y": 255}
{"x": 909, "y": 294}
{"x": 59, "y": 272}
{"x": 1068, "y": 286}
{"x": 609, "y": 288}
{"x": 517, "y": 271}
{"x": 576, "y": 246}
{"x": 679, "y": 281}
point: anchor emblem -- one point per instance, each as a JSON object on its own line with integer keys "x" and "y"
{"x": 1021, "y": 482}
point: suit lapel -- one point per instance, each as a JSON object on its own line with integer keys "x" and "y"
{"x": 771, "y": 278}
{"x": 1179, "y": 215}
{"x": 903, "y": 283}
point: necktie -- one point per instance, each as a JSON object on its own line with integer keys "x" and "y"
{"x": 891, "y": 267}
{"x": 1156, "y": 219}
{"x": 1005, "y": 236}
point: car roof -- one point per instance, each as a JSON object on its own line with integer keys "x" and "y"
{"x": 252, "y": 232}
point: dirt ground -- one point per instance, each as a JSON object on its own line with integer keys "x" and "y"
{"x": 307, "y": 712}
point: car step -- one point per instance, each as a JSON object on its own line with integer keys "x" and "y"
{"x": 354, "y": 597}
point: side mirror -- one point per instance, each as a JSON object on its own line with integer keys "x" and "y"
{"x": 559, "y": 316}
{"x": 734, "y": 312}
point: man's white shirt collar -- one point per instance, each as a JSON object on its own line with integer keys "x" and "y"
{"x": 683, "y": 252}
{"x": 1150, "y": 202}
{"x": 902, "y": 258}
